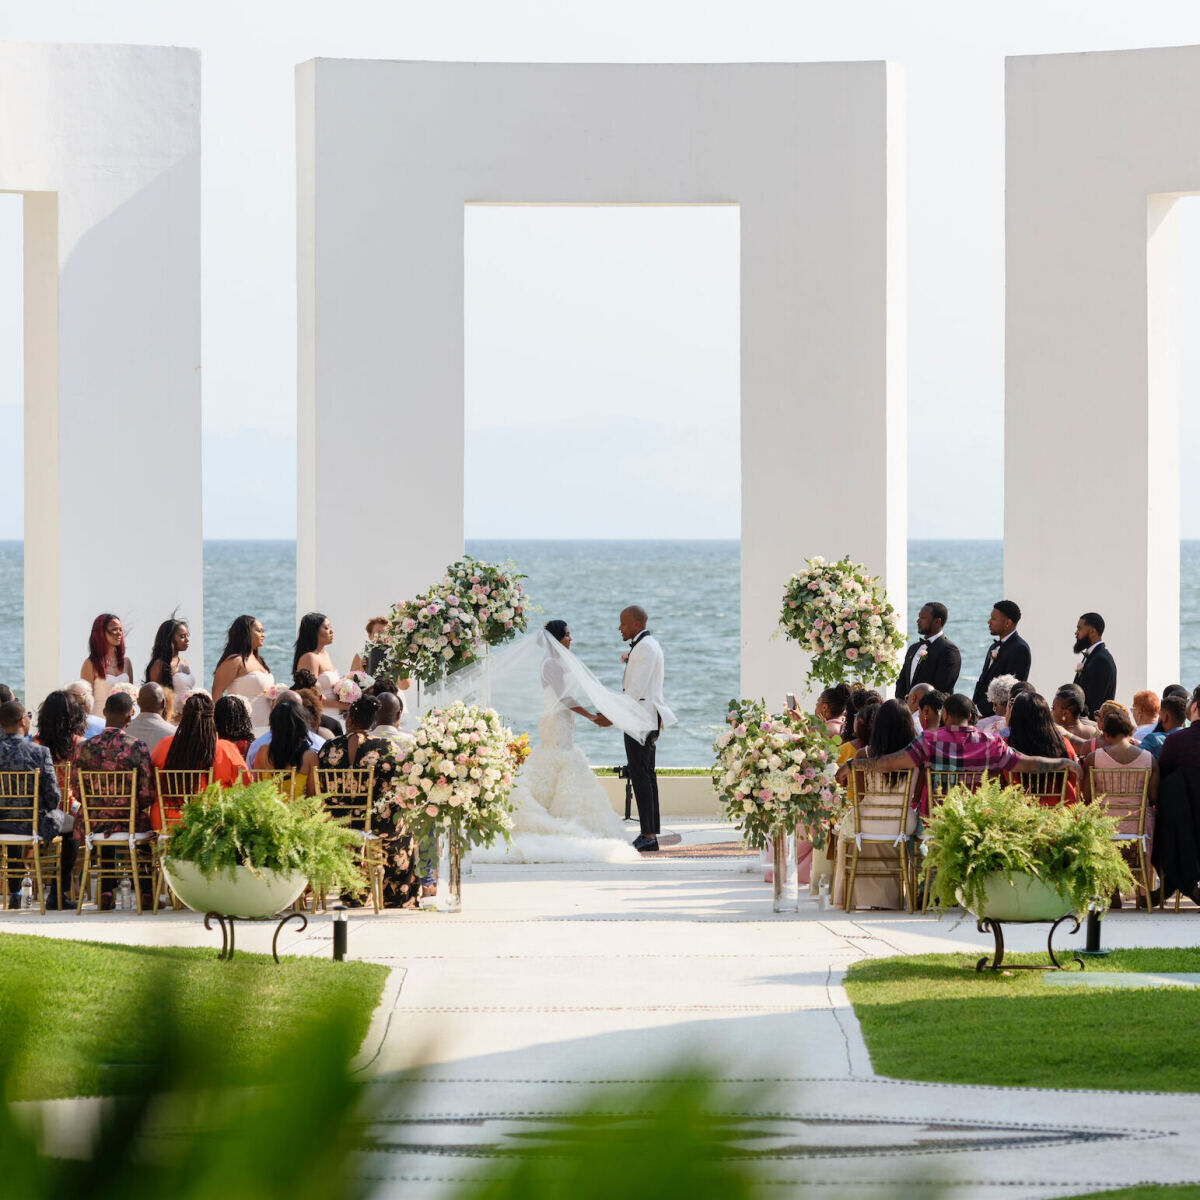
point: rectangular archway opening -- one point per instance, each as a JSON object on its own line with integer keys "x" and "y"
{"x": 1189, "y": 440}
{"x": 603, "y": 434}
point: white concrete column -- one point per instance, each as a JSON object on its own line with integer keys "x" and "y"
{"x": 390, "y": 153}
{"x": 105, "y": 143}
{"x": 1099, "y": 146}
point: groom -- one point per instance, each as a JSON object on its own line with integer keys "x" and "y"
{"x": 644, "y": 682}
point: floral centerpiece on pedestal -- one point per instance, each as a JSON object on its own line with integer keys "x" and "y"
{"x": 843, "y": 618}
{"x": 773, "y": 773}
{"x": 494, "y": 595}
{"x": 428, "y": 637}
{"x": 454, "y": 782}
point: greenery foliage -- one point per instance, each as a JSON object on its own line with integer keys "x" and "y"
{"x": 934, "y": 1017}
{"x": 249, "y": 826}
{"x": 999, "y": 828}
{"x": 775, "y": 770}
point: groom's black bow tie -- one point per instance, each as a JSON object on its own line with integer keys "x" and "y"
{"x": 996, "y": 644}
{"x": 924, "y": 642}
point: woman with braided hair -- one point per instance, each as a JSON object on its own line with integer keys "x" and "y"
{"x": 196, "y": 746}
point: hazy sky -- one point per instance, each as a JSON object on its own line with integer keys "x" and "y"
{"x": 579, "y": 319}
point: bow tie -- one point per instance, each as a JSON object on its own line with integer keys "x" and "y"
{"x": 996, "y": 645}
{"x": 923, "y": 642}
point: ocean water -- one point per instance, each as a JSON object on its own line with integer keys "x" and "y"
{"x": 689, "y": 587}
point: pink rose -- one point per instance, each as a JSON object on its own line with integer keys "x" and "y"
{"x": 431, "y": 810}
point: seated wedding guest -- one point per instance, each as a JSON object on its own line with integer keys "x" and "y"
{"x": 232, "y": 715}
{"x": 997, "y": 702}
{"x": 1032, "y": 732}
{"x": 929, "y": 711}
{"x": 1018, "y": 689}
{"x": 912, "y": 700}
{"x": 195, "y": 745}
{"x": 107, "y": 661}
{"x": 1117, "y": 751}
{"x": 831, "y": 708}
{"x": 242, "y": 670}
{"x": 959, "y": 746}
{"x": 891, "y": 732}
{"x": 314, "y": 703}
{"x": 860, "y": 697}
{"x": 1069, "y": 710}
{"x": 289, "y": 747}
{"x": 1008, "y": 655}
{"x": 1172, "y": 715}
{"x": 363, "y": 746}
{"x": 304, "y": 679}
{"x": 167, "y": 665}
{"x": 6, "y": 693}
{"x": 170, "y": 708}
{"x": 60, "y": 725}
{"x": 311, "y": 653}
{"x": 1145, "y": 713}
{"x": 1096, "y": 673}
{"x": 1176, "y": 850}
{"x": 112, "y": 749}
{"x": 1087, "y": 745}
{"x": 389, "y": 712}
{"x": 376, "y": 652}
{"x": 18, "y": 753}
{"x": 150, "y": 725}
{"x": 264, "y": 739}
{"x": 82, "y": 691}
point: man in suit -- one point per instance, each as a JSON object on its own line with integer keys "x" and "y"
{"x": 1096, "y": 672}
{"x": 1008, "y": 655}
{"x": 935, "y": 658}
{"x": 644, "y": 669}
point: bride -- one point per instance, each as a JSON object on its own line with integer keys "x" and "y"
{"x": 561, "y": 813}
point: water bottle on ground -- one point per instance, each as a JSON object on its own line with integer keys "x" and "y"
{"x": 125, "y": 900}
{"x": 27, "y": 892}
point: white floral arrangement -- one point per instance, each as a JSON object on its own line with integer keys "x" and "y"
{"x": 843, "y": 618}
{"x": 347, "y": 690}
{"x": 428, "y": 637}
{"x": 494, "y": 594}
{"x": 274, "y": 691}
{"x": 773, "y": 771}
{"x": 126, "y": 689}
{"x": 457, "y": 774}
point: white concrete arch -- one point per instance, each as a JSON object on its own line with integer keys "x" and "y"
{"x": 389, "y": 153}
{"x": 1099, "y": 148}
{"x": 104, "y": 143}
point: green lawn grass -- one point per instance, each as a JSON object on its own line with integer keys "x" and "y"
{"x": 79, "y": 1016}
{"x": 932, "y": 1017}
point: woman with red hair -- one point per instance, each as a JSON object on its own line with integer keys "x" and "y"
{"x": 107, "y": 662}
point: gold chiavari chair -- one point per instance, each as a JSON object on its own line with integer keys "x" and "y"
{"x": 284, "y": 778}
{"x": 1122, "y": 793}
{"x": 36, "y": 856}
{"x": 62, "y": 772}
{"x": 879, "y": 810}
{"x": 348, "y": 794}
{"x": 1050, "y": 787}
{"x": 109, "y": 803}
{"x": 173, "y": 789}
{"x": 939, "y": 782}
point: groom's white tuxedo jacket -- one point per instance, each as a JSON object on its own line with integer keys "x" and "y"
{"x": 644, "y": 679}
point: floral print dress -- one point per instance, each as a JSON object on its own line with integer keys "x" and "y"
{"x": 401, "y": 881}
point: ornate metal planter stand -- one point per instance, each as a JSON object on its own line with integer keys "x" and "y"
{"x": 994, "y": 925}
{"x": 227, "y": 930}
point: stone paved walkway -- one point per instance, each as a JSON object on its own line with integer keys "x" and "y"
{"x": 559, "y": 984}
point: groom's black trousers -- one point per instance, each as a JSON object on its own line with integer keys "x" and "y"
{"x": 645, "y": 782}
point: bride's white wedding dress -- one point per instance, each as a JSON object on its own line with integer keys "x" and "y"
{"x": 561, "y": 813}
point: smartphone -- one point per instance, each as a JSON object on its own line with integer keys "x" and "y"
{"x": 791, "y": 700}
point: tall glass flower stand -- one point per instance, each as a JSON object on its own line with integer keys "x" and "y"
{"x": 450, "y": 873}
{"x": 783, "y": 897}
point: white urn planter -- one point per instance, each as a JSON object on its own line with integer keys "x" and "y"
{"x": 1021, "y": 898}
{"x": 234, "y": 891}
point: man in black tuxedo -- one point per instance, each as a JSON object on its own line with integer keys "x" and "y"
{"x": 1097, "y": 672}
{"x": 935, "y": 658}
{"x": 1008, "y": 655}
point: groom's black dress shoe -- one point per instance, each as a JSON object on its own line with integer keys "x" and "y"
{"x": 646, "y": 844}
{"x": 640, "y": 841}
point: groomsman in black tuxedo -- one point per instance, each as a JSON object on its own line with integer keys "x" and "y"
{"x": 1096, "y": 672}
{"x": 935, "y": 658}
{"x": 1008, "y": 655}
